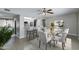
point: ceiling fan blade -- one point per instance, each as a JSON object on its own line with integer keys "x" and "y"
{"x": 49, "y": 10}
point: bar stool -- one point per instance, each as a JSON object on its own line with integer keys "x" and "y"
{"x": 30, "y": 34}
{"x": 34, "y": 33}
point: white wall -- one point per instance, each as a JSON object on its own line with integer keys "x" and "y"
{"x": 71, "y": 21}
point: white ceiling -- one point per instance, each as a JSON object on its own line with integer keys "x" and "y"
{"x": 62, "y": 11}
{"x": 31, "y": 12}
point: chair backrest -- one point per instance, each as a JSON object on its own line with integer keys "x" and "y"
{"x": 42, "y": 36}
{"x": 66, "y": 30}
{"x": 64, "y": 34}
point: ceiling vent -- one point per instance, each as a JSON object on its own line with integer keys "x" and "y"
{"x": 7, "y": 9}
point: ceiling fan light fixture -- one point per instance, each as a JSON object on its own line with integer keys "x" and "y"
{"x": 50, "y": 10}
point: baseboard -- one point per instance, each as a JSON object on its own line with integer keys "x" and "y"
{"x": 72, "y": 34}
{"x": 21, "y": 37}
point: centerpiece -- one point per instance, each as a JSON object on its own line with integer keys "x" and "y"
{"x": 52, "y": 27}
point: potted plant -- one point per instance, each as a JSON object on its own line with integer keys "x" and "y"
{"x": 52, "y": 26}
{"x": 5, "y": 34}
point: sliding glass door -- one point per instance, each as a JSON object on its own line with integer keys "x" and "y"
{"x": 7, "y": 22}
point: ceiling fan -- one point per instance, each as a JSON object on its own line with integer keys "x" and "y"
{"x": 46, "y": 11}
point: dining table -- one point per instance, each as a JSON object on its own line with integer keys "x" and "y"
{"x": 50, "y": 35}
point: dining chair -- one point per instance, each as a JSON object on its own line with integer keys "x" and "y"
{"x": 43, "y": 39}
{"x": 62, "y": 37}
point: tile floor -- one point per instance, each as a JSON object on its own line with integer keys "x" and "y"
{"x": 23, "y": 44}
